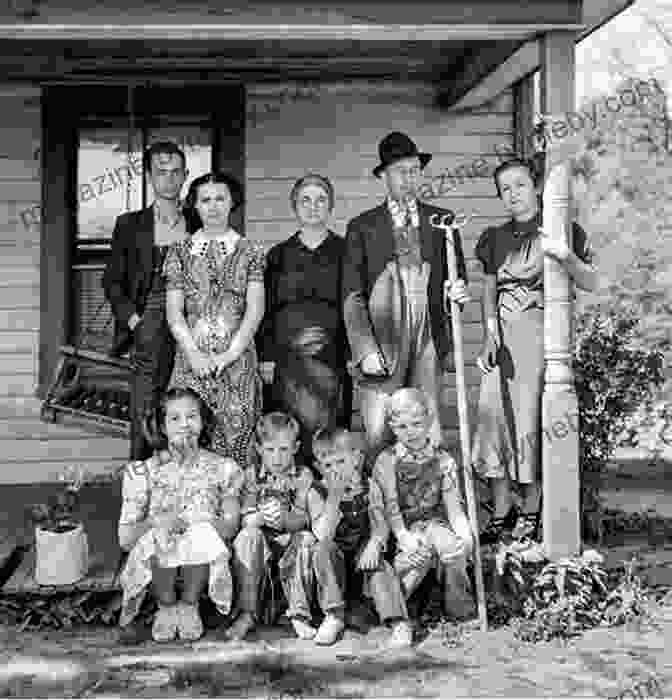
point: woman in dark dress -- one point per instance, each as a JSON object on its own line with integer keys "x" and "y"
{"x": 507, "y": 445}
{"x": 302, "y": 342}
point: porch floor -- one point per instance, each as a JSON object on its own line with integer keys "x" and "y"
{"x": 100, "y": 507}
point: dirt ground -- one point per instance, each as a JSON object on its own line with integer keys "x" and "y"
{"x": 450, "y": 661}
{"x": 604, "y": 662}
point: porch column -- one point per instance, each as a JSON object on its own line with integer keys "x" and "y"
{"x": 560, "y": 439}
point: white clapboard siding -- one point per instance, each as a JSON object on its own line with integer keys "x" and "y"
{"x": 338, "y": 134}
{"x": 30, "y": 450}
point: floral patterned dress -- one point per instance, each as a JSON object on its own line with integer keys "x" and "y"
{"x": 197, "y": 491}
{"x": 214, "y": 283}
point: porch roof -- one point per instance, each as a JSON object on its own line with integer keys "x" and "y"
{"x": 451, "y": 45}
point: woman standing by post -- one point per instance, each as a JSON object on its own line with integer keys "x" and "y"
{"x": 507, "y": 447}
{"x": 302, "y": 340}
{"x": 215, "y": 302}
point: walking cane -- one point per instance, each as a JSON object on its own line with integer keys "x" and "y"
{"x": 448, "y": 224}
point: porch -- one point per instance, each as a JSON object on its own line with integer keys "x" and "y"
{"x": 268, "y": 93}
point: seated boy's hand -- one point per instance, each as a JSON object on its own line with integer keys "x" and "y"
{"x": 410, "y": 541}
{"x": 370, "y": 556}
{"x": 274, "y": 514}
{"x": 420, "y": 557}
{"x": 255, "y": 520}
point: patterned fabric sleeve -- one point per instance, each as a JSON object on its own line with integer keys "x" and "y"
{"x": 231, "y": 479}
{"x": 484, "y": 252}
{"x": 303, "y": 483}
{"x": 379, "y": 526}
{"x": 384, "y": 478}
{"x": 135, "y": 494}
{"x": 257, "y": 264}
{"x": 248, "y": 492}
{"x": 450, "y": 481}
{"x": 173, "y": 268}
{"x": 315, "y": 504}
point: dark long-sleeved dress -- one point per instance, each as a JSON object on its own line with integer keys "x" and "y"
{"x": 303, "y": 293}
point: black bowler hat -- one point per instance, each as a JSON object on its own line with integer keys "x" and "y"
{"x": 396, "y": 146}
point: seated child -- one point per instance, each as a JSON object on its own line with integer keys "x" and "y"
{"x": 179, "y": 509}
{"x": 421, "y": 502}
{"x": 349, "y": 547}
{"x": 275, "y": 518}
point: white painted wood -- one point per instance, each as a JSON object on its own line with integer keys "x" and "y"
{"x": 267, "y": 32}
{"x": 19, "y": 341}
{"x": 561, "y": 514}
{"x": 46, "y": 470}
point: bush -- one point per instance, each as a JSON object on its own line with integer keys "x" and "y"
{"x": 614, "y": 378}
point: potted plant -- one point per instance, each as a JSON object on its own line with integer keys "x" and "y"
{"x": 61, "y": 545}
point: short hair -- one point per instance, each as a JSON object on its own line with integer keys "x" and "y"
{"x": 270, "y": 424}
{"x": 402, "y": 400}
{"x": 154, "y": 423}
{"x": 162, "y": 147}
{"x": 313, "y": 179}
{"x": 528, "y": 164}
{"x": 329, "y": 439}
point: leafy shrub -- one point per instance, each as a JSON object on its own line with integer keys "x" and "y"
{"x": 545, "y": 600}
{"x": 614, "y": 377}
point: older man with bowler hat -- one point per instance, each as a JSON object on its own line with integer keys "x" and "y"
{"x": 396, "y": 289}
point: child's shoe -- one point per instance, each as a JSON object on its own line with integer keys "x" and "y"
{"x": 189, "y": 623}
{"x": 242, "y": 626}
{"x": 329, "y": 630}
{"x": 164, "y": 628}
{"x": 401, "y": 636}
{"x": 303, "y": 629}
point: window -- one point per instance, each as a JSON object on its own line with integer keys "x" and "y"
{"x": 111, "y": 181}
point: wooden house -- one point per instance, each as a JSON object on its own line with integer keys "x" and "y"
{"x": 268, "y": 91}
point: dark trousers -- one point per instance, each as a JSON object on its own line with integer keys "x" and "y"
{"x": 152, "y": 359}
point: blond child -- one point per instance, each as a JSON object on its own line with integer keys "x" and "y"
{"x": 180, "y": 507}
{"x": 347, "y": 557}
{"x": 275, "y": 521}
{"x": 421, "y": 502}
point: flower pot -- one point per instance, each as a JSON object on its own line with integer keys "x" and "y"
{"x": 61, "y": 558}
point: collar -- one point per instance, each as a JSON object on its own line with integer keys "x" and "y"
{"x": 427, "y": 452}
{"x": 526, "y": 228}
{"x": 291, "y": 473}
{"x": 200, "y": 243}
{"x": 401, "y": 212}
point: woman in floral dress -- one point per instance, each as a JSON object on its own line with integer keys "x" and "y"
{"x": 215, "y": 303}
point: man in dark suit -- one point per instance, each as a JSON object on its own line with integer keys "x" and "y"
{"x": 395, "y": 288}
{"x": 134, "y": 285}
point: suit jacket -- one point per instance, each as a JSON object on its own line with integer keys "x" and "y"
{"x": 128, "y": 275}
{"x": 370, "y": 249}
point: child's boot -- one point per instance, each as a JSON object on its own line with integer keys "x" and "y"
{"x": 243, "y": 625}
{"x": 330, "y": 629}
{"x": 164, "y": 628}
{"x": 189, "y": 623}
{"x": 401, "y": 636}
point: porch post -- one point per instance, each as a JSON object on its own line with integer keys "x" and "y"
{"x": 560, "y": 439}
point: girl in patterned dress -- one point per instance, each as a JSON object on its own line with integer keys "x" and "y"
{"x": 180, "y": 507}
{"x": 215, "y": 303}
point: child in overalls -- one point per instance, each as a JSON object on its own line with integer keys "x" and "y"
{"x": 421, "y": 502}
{"x": 347, "y": 559}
